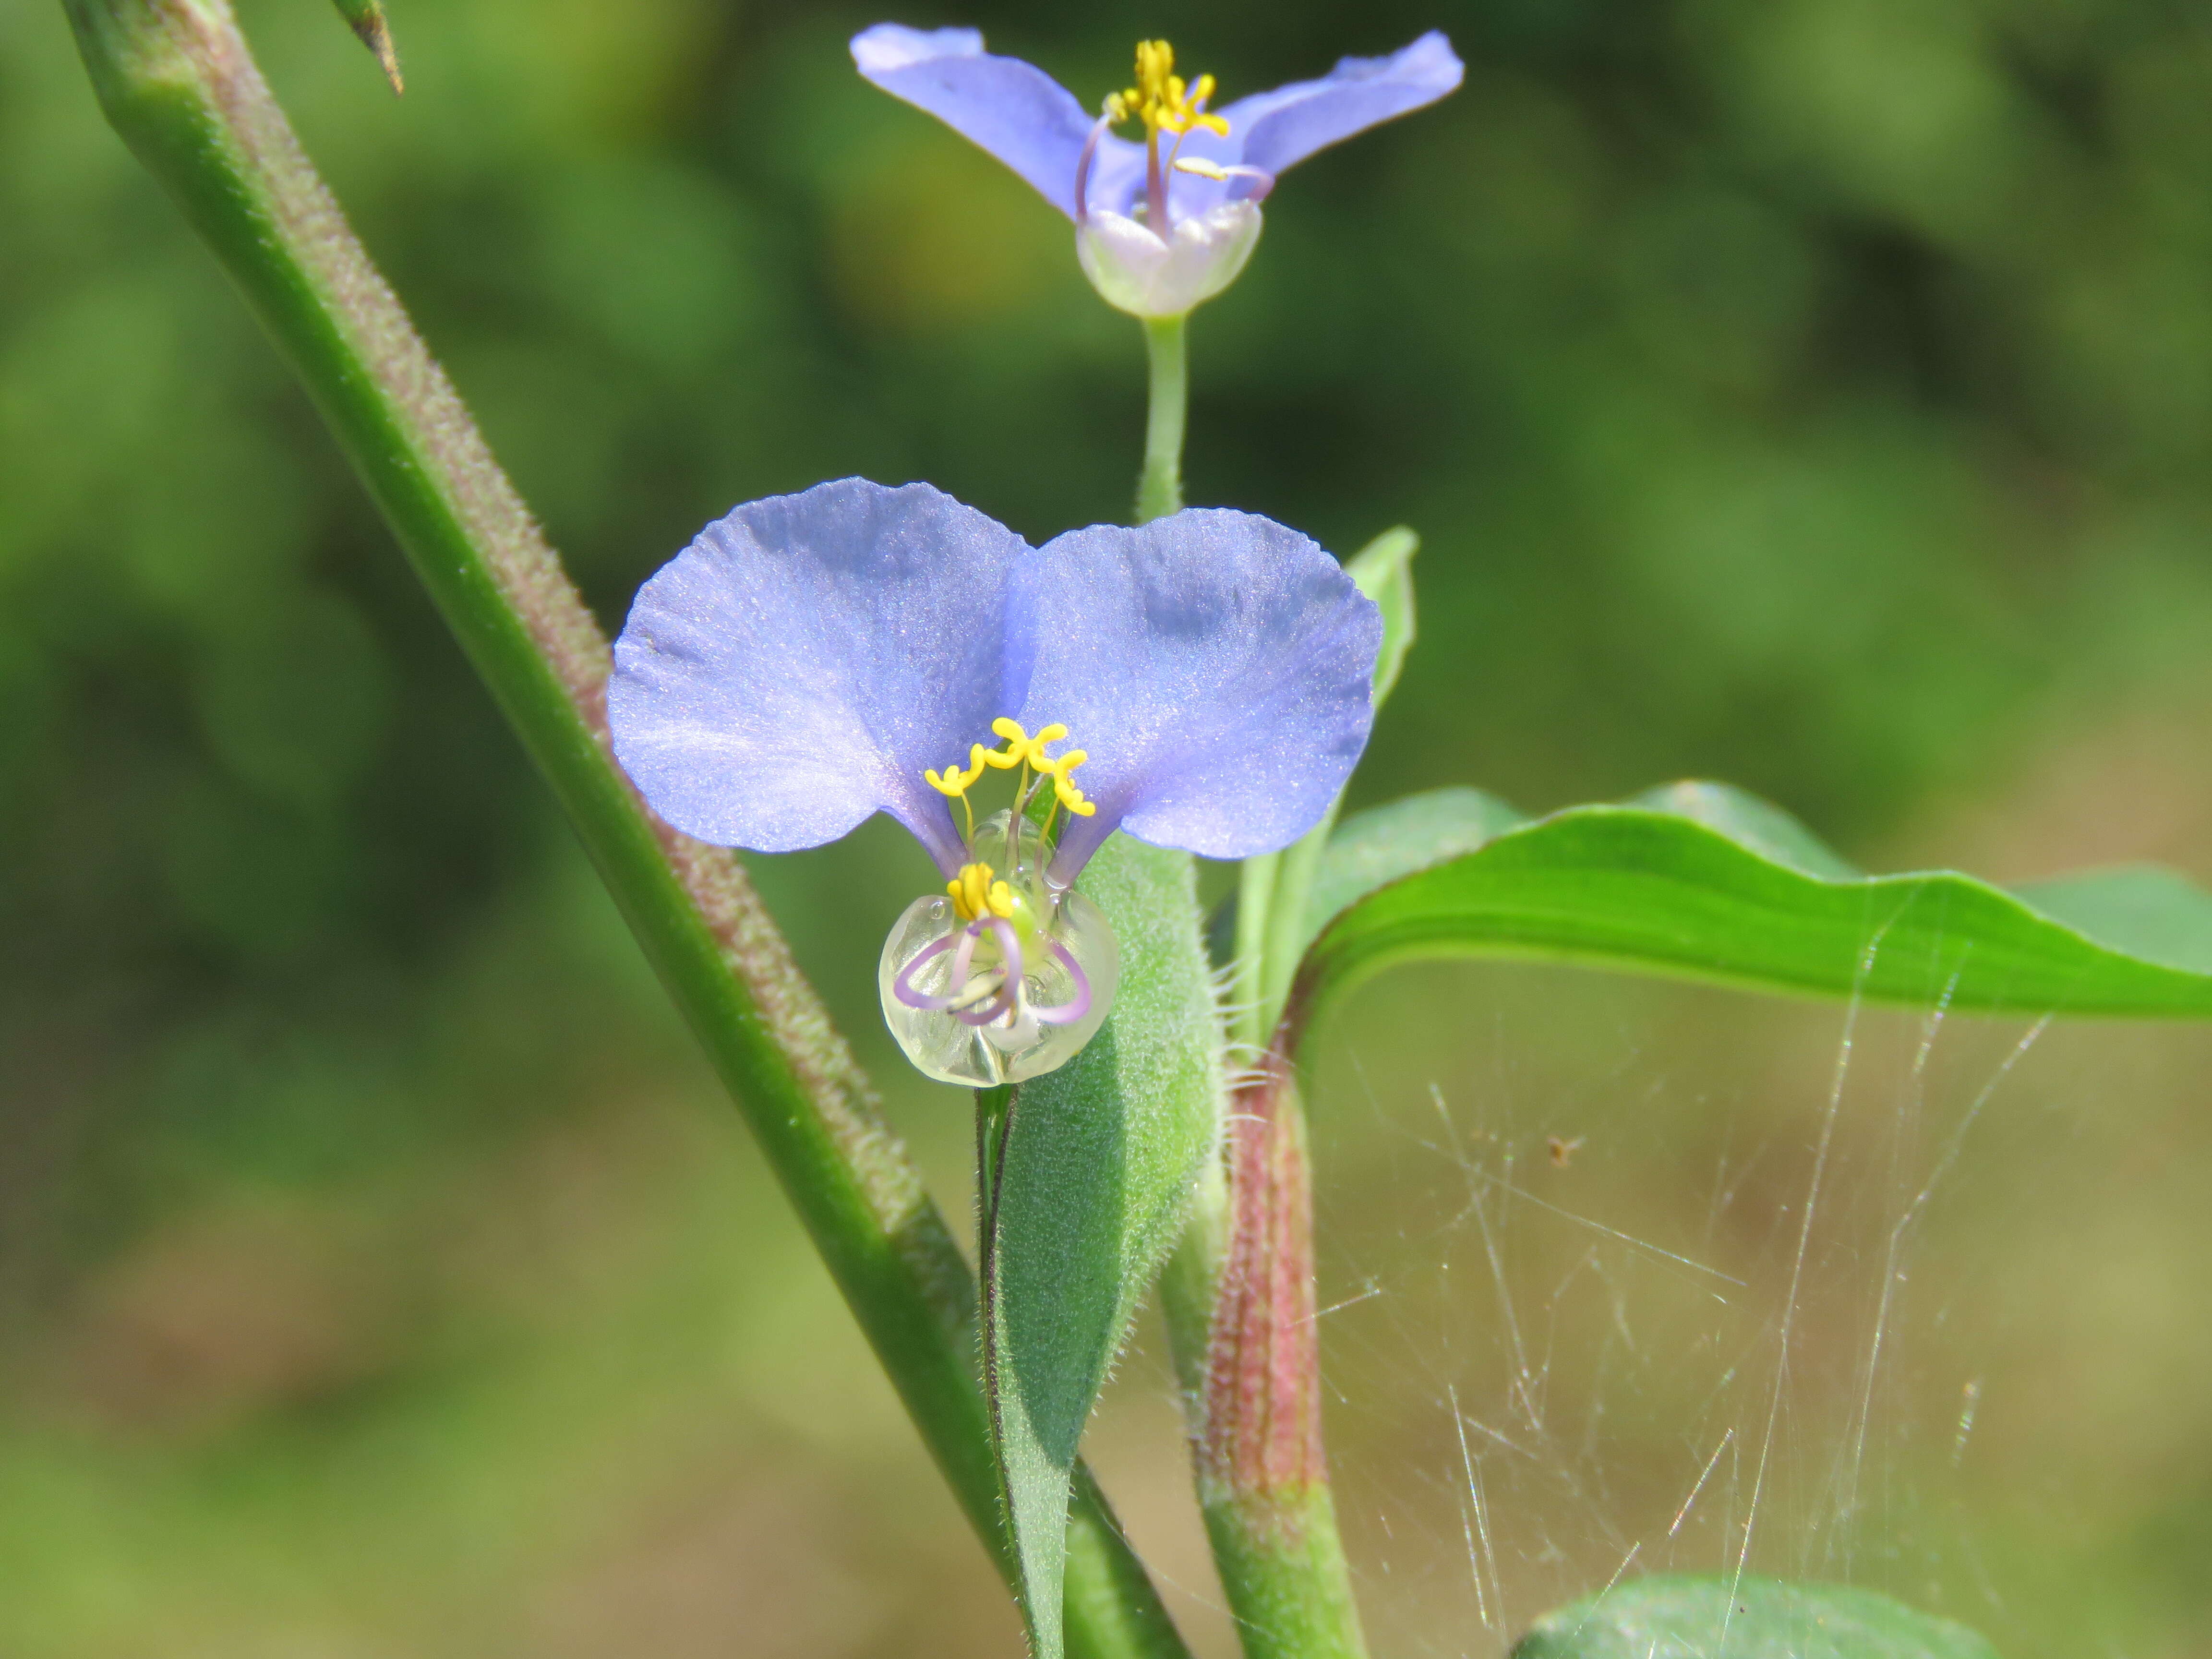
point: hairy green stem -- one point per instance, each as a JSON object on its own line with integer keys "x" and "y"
{"x": 994, "y": 1118}
{"x": 1256, "y": 884}
{"x": 1159, "y": 486}
{"x": 178, "y": 83}
{"x": 1239, "y": 1304}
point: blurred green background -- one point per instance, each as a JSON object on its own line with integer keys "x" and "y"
{"x": 1812, "y": 393}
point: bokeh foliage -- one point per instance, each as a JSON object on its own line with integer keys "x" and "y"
{"x": 1814, "y": 393}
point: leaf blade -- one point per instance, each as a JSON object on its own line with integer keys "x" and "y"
{"x": 1703, "y": 882}
{"x": 1383, "y": 571}
{"x": 1269, "y": 912}
{"x": 1697, "y": 1617}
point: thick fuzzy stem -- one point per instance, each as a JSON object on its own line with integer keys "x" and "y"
{"x": 179, "y": 84}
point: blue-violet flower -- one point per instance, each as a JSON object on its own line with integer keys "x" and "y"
{"x": 1159, "y": 226}
{"x": 810, "y": 660}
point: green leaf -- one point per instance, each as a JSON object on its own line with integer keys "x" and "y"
{"x": 1266, "y": 922}
{"x": 1098, "y": 1160}
{"x": 2139, "y": 909}
{"x": 1701, "y": 881}
{"x": 1708, "y": 1617}
{"x": 1378, "y": 846}
{"x": 1383, "y": 571}
{"x": 366, "y": 19}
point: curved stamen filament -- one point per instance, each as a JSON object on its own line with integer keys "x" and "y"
{"x": 902, "y": 987}
{"x": 997, "y": 993}
{"x": 1071, "y": 1011}
{"x": 1010, "y": 983}
{"x": 1007, "y": 994}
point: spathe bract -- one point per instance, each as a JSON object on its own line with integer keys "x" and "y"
{"x": 1200, "y": 682}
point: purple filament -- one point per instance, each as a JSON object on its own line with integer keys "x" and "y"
{"x": 1003, "y": 994}
{"x": 1076, "y": 1007}
{"x": 1008, "y": 991}
{"x": 902, "y": 987}
{"x": 1009, "y": 981}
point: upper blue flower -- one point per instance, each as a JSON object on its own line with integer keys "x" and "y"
{"x": 1202, "y": 194}
{"x": 1201, "y": 682}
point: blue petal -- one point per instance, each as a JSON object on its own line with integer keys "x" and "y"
{"x": 1276, "y": 130}
{"x": 1216, "y": 666}
{"x": 1118, "y": 176}
{"x": 1013, "y": 109}
{"x": 1272, "y": 130}
{"x": 797, "y": 667}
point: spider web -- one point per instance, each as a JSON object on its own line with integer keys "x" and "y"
{"x": 1621, "y": 1277}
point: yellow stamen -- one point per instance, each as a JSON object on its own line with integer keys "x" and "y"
{"x": 953, "y": 780}
{"x": 1160, "y": 99}
{"x": 974, "y": 893}
{"x": 1028, "y": 752}
{"x": 1063, "y": 786}
{"x": 1022, "y": 749}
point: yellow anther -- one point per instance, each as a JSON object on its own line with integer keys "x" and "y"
{"x": 1018, "y": 744}
{"x": 973, "y": 894}
{"x": 1022, "y": 749}
{"x": 1064, "y": 786}
{"x": 1160, "y": 99}
{"x": 953, "y": 780}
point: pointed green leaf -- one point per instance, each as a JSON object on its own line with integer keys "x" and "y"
{"x": 1098, "y": 1162}
{"x": 1704, "y": 882}
{"x": 366, "y": 19}
{"x": 1383, "y": 571}
{"x": 1263, "y": 929}
{"x": 1723, "y": 1617}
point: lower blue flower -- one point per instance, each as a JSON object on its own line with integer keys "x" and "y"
{"x": 1201, "y": 682}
